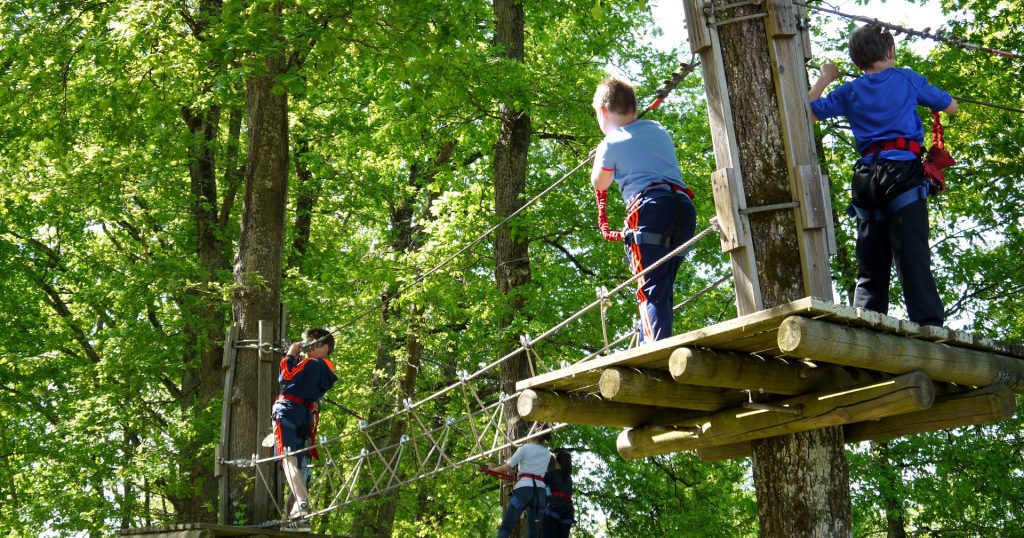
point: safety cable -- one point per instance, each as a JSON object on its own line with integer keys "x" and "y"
{"x": 660, "y": 95}
{"x": 712, "y": 228}
{"x": 957, "y": 97}
{"x": 940, "y": 35}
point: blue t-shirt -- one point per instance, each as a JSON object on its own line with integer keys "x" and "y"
{"x": 308, "y": 379}
{"x": 640, "y": 153}
{"x": 882, "y": 106}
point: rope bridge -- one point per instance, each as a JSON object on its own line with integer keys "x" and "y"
{"x": 451, "y": 428}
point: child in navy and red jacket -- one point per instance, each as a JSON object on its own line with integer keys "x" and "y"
{"x": 303, "y": 381}
{"x": 889, "y": 187}
{"x": 639, "y": 156}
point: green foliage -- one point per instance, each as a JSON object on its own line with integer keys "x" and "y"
{"x": 393, "y": 115}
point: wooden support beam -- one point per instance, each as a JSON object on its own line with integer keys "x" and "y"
{"x": 990, "y": 404}
{"x": 904, "y": 394}
{"x": 654, "y": 387}
{"x": 820, "y": 340}
{"x": 737, "y": 371}
{"x": 548, "y": 406}
{"x": 714, "y": 368}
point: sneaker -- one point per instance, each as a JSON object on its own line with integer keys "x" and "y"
{"x": 299, "y": 525}
{"x": 300, "y": 511}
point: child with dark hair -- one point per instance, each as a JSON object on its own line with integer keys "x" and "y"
{"x": 640, "y": 157}
{"x": 560, "y": 515}
{"x": 889, "y": 187}
{"x": 528, "y": 493}
{"x": 303, "y": 381}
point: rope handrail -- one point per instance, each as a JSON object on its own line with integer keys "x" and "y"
{"x": 713, "y": 227}
{"x": 660, "y": 95}
{"x": 940, "y": 36}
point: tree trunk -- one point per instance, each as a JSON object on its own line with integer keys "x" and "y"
{"x": 802, "y": 480}
{"x": 205, "y": 319}
{"x": 257, "y": 274}
{"x": 377, "y": 518}
{"x": 511, "y": 250}
{"x": 306, "y": 196}
{"x": 205, "y": 316}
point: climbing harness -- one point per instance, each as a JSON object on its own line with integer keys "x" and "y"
{"x": 935, "y": 161}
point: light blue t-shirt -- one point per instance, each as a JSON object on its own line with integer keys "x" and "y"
{"x": 640, "y": 153}
{"x": 882, "y": 106}
{"x": 530, "y": 458}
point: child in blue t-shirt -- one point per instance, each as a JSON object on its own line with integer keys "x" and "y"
{"x": 639, "y": 156}
{"x": 296, "y": 412}
{"x": 889, "y": 188}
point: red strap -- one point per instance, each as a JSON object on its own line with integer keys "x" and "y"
{"x": 938, "y": 138}
{"x": 561, "y": 494}
{"x": 937, "y": 158}
{"x": 602, "y": 217}
{"x": 503, "y": 476}
{"x": 533, "y": 476}
{"x": 897, "y": 143}
{"x": 295, "y": 399}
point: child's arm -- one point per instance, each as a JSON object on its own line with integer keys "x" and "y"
{"x": 952, "y": 108}
{"x": 829, "y": 73}
{"x": 600, "y": 177}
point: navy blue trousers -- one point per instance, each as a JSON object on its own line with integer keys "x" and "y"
{"x": 660, "y": 212}
{"x": 902, "y": 239}
{"x": 531, "y": 500}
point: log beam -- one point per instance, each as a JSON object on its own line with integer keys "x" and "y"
{"x": 851, "y": 346}
{"x": 994, "y": 403}
{"x": 549, "y": 406}
{"x": 727, "y": 369}
{"x": 653, "y": 387}
{"x": 899, "y": 395}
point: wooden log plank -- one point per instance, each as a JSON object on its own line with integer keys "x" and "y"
{"x": 994, "y": 403}
{"x": 725, "y": 369}
{"x": 737, "y": 371}
{"x": 820, "y": 340}
{"x": 548, "y": 406}
{"x": 656, "y": 388}
{"x": 656, "y": 354}
{"x": 904, "y": 394}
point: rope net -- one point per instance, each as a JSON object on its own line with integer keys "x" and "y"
{"x": 458, "y": 425}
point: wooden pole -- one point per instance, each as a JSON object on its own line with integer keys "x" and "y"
{"x": 653, "y": 387}
{"x": 821, "y": 340}
{"x": 223, "y": 473}
{"x": 769, "y": 193}
{"x": 899, "y": 395}
{"x": 548, "y": 406}
{"x": 990, "y": 404}
{"x": 264, "y": 401}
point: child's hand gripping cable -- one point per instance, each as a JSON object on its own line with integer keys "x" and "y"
{"x": 602, "y": 217}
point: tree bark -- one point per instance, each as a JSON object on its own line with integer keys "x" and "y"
{"x": 257, "y": 274}
{"x": 802, "y": 480}
{"x": 511, "y": 248}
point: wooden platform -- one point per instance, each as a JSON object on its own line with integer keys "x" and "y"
{"x": 209, "y": 530}
{"x": 803, "y": 365}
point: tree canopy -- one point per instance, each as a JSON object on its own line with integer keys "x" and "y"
{"x": 122, "y": 163}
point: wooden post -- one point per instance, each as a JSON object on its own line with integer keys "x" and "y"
{"x": 899, "y": 395}
{"x": 807, "y": 338}
{"x": 756, "y": 84}
{"x": 653, "y": 387}
{"x": 223, "y": 449}
{"x": 264, "y": 400}
{"x": 990, "y": 404}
